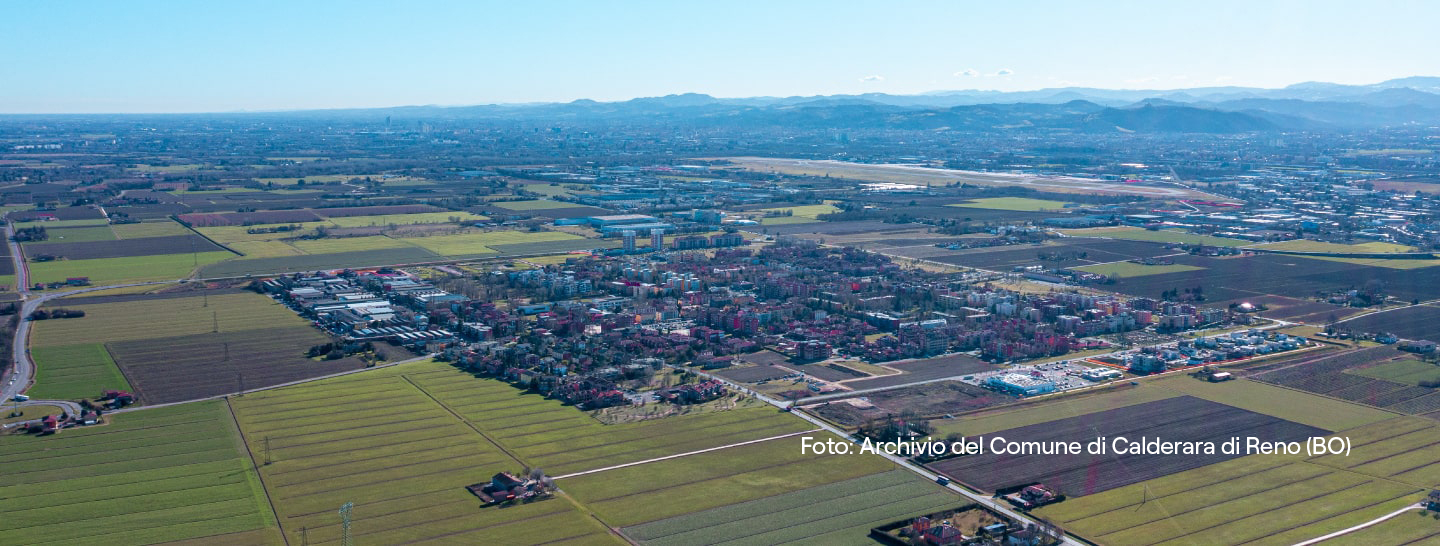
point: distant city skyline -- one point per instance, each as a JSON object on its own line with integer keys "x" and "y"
{"x": 146, "y": 56}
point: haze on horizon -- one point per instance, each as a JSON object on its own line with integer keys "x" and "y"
{"x": 146, "y": 56}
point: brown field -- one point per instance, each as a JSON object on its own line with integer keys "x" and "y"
{"x": 243, "y": 218}
{"x": 181, "y": 368}
{"x": 378, "y": 210}
{"x": 148, "y": 246}
{"x": 1181, "y": 418}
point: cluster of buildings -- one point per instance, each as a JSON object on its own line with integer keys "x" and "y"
{"x": 1210, "y": 349}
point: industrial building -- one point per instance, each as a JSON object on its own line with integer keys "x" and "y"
{"x": 1020, "y": 384}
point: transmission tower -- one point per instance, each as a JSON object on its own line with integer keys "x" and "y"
{"x": 345, "y": 524}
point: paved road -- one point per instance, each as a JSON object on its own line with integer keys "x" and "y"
{"x": 18, "y": 378}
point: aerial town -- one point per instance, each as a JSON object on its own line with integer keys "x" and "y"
{"x": 560, "y": 299}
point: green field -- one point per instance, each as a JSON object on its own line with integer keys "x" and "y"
{"x": 77, "y": 234}
{"x": 1305, "y": 245}
{"x": 1410, "y": 372}
{"x": 167, "y": 317}
{"x": 810, "y": 212}
{"x": 73, "y": 372}
{"x": 1263, "y": 498}
{"x": 1128, "y": 269}
{"x": 160, "y": 228}
{"x": 1157, "y": 236}
{"x": 149, "y": 477}
{"x": 1022, "y": 204}
{"x": 1291, "y": 405}
{"x": 571, "y": 441}
{"x": 839, "y": 513}
{"x": 535, "y": 204}
{"x": 478, "y": 242}
{"x": 332, "y": 245}
{"x": 1416, "y": 527}
{"x": 407, "y": 219}
{"x": 235, "y": 234}
{"x": 400, "y": 457}
{"x": 125, "y": 270}
{"x": 264, "y": 249}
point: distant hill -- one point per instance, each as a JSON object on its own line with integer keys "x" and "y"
{"x": 1303, "y": 106}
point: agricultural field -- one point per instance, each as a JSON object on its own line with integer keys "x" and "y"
{"x": 1072, "y": 405}
{"x": 407, "y": 219}
{"x": 1305, "y": 245}
{"x": 510, "y": 417}
{"x": 1181, "y": 418}
{"x": 1156, "y": 236}
{"x": 786, "y": 220}
{"x": 168, "y": 474}
{"x": 1274, "y": 500}
{"x": 179, "y": 368}
{"x": 1288, "y": 404}
{"x": 1065, "y": 253}
{"x": 148, "y": 246}
{"x": 175, "y": 347}
{"x": 334, "y": 245}
{"x": 127, "y": 269}
{"x": 64, "y": 235}
{"x": 1024, "y": 204}
{"x": 1407, "y": 371}
{"x": 533, "y": 204}
{"x": 152, "y": 228}
{"x": 1416, "y": 527}
{"x": 482, "y": 242}
{"x": 280, "y": 263}
{"x": 1132, "y": 269}
{"x": 412, "y": 436}
{"x": 152, "y": 317}
{"x": 1415, "y": 322}
{"x": 808, "y": 212}
{"x": 839, "y": 513}
{"x": 319, "y": 179}
{"x": 400, "y": 456}
{"x": 74, "y": 372}
{"x": 1237, "y": 278}
{"x": 1341, "y": 375}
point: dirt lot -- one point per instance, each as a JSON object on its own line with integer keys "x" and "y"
{"x": 189, "y": 367}
{"x": 753, "y": 374}
{"x": 1183, "y": 418}
{"x": 932, "y": 400}
{"x": 148, "y": 246}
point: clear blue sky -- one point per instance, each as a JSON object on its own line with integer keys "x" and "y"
{"x": 220, "y": 55}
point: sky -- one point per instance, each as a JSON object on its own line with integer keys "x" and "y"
{"x": 81, "y": 56}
